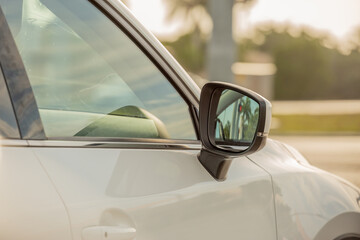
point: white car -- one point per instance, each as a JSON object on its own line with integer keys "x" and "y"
{"x": 104, "y": 136}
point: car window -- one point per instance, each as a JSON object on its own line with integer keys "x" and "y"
{"x": 8, "y": 125}
{"x": 89, "y": 79}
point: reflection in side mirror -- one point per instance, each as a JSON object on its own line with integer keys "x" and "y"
{"x": 237, "y": 117}
{"x": 234, "y": 122}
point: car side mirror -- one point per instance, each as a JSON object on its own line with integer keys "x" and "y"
{"x": 234, "y": 121}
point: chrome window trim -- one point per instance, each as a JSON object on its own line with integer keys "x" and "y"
{"x": 13, "y": 143}
{"x": 191, "y": 145}
{"x": 125, "y": 144}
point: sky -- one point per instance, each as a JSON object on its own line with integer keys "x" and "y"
{"x": 154, "y": 20}
{"x": 338, "y": 17}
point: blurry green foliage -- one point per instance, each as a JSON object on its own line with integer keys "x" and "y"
{"x": 189, "y": 50}
{"x": 306, "y": 69}
{"x": 227, "y": 130}
{"x": 249, "y": 119}
{"x": 346, "y": 71}
{"x": 251, "y": 125}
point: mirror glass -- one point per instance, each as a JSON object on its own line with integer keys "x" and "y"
{"x": 237, "y": 117}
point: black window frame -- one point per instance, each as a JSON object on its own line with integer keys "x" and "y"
{"x": 7, "y": 115}
{"x": 23, "y": 99}
{"x": 18, "y": 86}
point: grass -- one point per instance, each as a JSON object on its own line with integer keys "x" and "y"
{"x": 316, "y": 124}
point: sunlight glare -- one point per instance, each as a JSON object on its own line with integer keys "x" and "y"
{"x": 152, "y": 14}
{"x": 337, "y": 17}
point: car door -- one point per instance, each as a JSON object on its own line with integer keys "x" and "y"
{"x": 120, "y": 140}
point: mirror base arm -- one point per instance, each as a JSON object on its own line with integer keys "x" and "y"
{"x": 217, "y": 165}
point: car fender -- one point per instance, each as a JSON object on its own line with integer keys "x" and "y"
{"x": 307, "y": 199}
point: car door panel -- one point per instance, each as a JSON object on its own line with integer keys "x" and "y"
{"x": 163, "y": 194}
{"x": 30, "y": 206}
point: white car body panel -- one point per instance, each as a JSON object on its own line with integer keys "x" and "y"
{"x": 163, "y": 194}
{"x": 306, "y": 197}
{"x": 30, "y": 207}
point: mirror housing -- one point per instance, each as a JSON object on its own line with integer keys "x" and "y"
{"x": 216, "y": 156}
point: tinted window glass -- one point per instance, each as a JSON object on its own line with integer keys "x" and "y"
{"x": 89, "y": 78}
{"x": 8, "y": 125}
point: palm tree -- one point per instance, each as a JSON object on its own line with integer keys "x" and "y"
{"x": 250, "y": 118}
{"x": 246, "y": 109}
{"x": 244, "y": 117}
{"x": 221, "y": 47}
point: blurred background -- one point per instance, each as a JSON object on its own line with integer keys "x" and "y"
{"x": 303, "y": 55}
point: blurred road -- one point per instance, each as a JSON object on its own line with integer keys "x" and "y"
{"x": 336, "y": 154}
